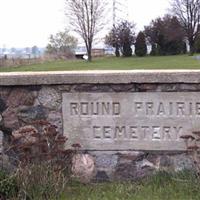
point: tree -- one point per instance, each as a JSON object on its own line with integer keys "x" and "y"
{"x": 166, "y": 36}
{"x": 140, "y": 45}
{"x": 13, "y": 50}
{"x": 122, "y": 37}
{"x": 154, "y": 50}
{"x": 126, "y": 37}
{"x": 35, "y": 51}
{"x": 188, "y": 14}
{"x": 86, "y": 18}
{"x": 61, "y": 44}
{"x": 197, "y": 45}
{"x": 27, "y": 51}
{"x": 112, "y": 39}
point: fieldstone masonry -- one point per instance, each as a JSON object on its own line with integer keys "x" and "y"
{"x": 130, "y": 122}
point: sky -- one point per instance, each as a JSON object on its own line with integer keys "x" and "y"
{"x": 25, "y": 23}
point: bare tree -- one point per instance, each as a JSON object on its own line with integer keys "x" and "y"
{"x": 86, "y": 18}
{"x": 188, "y": 13}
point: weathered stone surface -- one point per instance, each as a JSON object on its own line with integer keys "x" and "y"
{"x": 134, "y": 171}
{"x": 130, "y": 121}
{"x": 190, "y": 87}
{"x": 34, "y": 88}
{"x": 102, "y": 77}
{"x": 130, "y": 157}
{"x": 123, "y": 87}
{"x": 19, "y": 97}
{"x": 2, "y": 105}
{"x": 1, "y": 142}
{"x": 92, "y": 88}
{"x": 55, "y": 118}
{"x": 106, "y": 161}
{"x": 1, "y": 119}
{"x": 23, "y": 103}
{"x": 25, "y": 134}
{"x": 29, "y": 114}
{"x": 64, "y": 88}
{"x": 83, "y": 167}
{"x": 49, "y": 98}
{"x": 165, "y": 162}
{"x": 182, "y": 162}
{"x": 10, "y": 119}
{"x": 6, "y": 164}
{"x": 145, "y": 164}
{"x": 146, "y": 87}
{"x": 101, "y": 176}
{"x": 168, "y": 88}
{"x": 4, "y": 93}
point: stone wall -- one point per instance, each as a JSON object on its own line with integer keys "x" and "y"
{"x": 26, "y": 97}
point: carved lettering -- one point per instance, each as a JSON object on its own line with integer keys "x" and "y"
{"x": 134, "y": 132}
{"x": 156, "y": 133}
{"x": 74, "y": 108}
{"x": 95, "y": 108}
{"x": 107, "y": 134}
{"x": 178, "y": 132}
{"x": 161, "y": 109}
{"x": 96, "y": 132}
{"x": 120, "y": 132}
{"x": 167, "y": 133}
{"x": 138, "y": 107}
{"x": 170, "y": 108}
{"x": 116, "y": 109}
{"x": 149, "y": 108}
{"x": 130, "y": 121}
{"x": 145, "y": 132}
{"x": 140, "y": 133}
{"x": 198, "y": 108}
{"x": 106, "y": 108}
{"x": 180, "y": 109}
{"x": 84, "y": 108}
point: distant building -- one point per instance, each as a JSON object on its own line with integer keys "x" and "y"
{"x": 98, "y": 52}
{"x": 80, "y": 52}
{"x": 21, "y": 53}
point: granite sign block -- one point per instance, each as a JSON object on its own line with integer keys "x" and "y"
{"x": 130, "y": 121}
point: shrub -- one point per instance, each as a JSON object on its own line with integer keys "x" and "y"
{"x": 193, "y": 147}
{"x": 127, "y": 50}
{"x": 8, "y": 185}
{"x": 140, "y": 45}
{"x": 43, "y": 163}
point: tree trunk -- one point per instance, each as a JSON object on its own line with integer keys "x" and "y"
{"x": 192, "y": 48}
{"x": 117, "y": 54}
{"x": 89, "y": 55}
{"x": 89, "y": 52}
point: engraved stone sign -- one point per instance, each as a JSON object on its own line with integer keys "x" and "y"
{"x": 130, "y": 121}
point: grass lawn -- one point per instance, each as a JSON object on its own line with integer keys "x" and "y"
{"x": 161, "y": 187}
{"x": 113, "y": 63}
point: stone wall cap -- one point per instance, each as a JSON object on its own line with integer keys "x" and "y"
{"x": 99, "y": 76}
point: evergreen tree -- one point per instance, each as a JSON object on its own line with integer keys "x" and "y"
{"x": 140, "y": 45}
{"x": 127, "y": 50}
{"x": 166, "y": 36}
{"x": 197, "y": 45}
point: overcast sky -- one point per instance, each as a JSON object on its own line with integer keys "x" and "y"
{"x": 24, "y": 23}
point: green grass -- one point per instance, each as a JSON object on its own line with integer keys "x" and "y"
{"x": 112, "y": 63}
{"x": 161, "y": 187}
